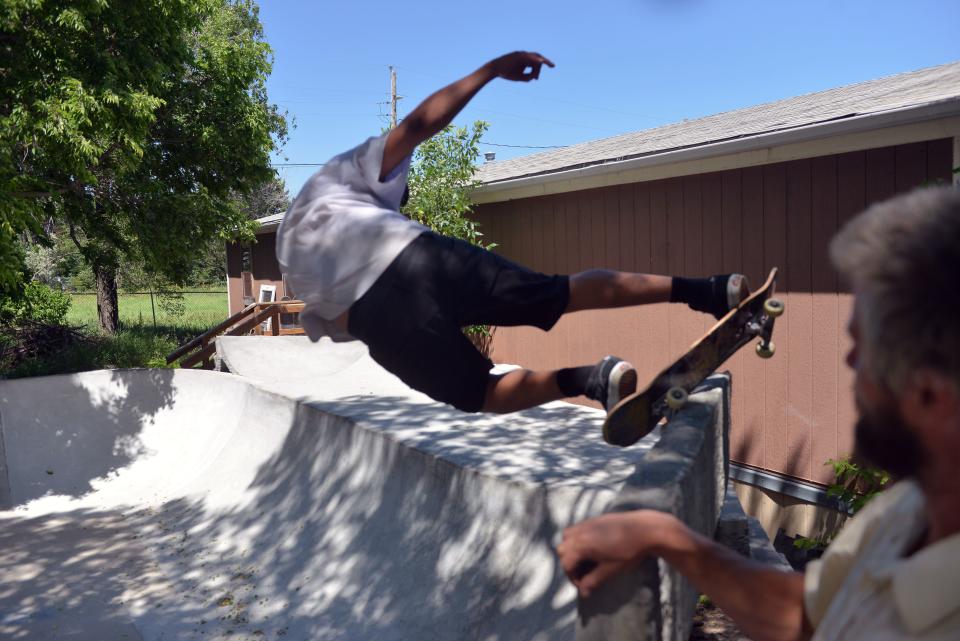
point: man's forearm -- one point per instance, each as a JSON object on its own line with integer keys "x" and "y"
{"x": 437, "y": 111}
{"x": 766, "y": 603}
{"x": 440, "y": 108}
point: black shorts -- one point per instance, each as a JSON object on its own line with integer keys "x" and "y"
{"x": 411, "y": 318}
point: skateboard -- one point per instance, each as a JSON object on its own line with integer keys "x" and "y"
{"x": 636, "y": 415}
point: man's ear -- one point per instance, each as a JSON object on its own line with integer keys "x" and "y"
{"x": 930, "y": 395}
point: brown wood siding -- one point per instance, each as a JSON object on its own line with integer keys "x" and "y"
{"x": 790, "y": 413}
{"x": 234, "y": 286}
{"x": 263, "y": 265}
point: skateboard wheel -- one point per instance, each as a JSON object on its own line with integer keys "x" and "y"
{"x": 676, "y": 397}
{"x": 766, "y": 351}
{"x": 773, "y": 306}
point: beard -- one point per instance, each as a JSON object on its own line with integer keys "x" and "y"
{"x": 883, "y": 439}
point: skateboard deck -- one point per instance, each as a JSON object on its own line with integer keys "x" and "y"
{"x": 636, "y": 415}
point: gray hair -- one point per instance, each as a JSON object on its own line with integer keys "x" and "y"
{"x": 902, "y": 258}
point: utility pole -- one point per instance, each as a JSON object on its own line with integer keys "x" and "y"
{"x": 393, "y": 97}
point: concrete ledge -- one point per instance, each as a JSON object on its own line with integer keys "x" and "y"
{"x": 733, "y": 526}
{"x": 744, "y": 533}
{"x": 684, "y": 474}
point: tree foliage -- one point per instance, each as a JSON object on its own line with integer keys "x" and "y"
{"x": 78, "y": 94}
{"x": 39, "y": 303}
{"x": 135, "y": 124}
{"x": 441, "y": 179}
{"x": 267, "y": 199}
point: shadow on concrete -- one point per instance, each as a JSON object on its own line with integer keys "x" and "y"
{"x": 342, "y": 533}
{"x": 82, "y": 433}
{"x": 556, "y": 443}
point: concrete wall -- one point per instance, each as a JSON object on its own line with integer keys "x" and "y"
{"x": 368, "y": 512}
{"x": 791, "y": 413}
{"x": 684, "y": 474}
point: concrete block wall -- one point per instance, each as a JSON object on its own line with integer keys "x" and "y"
{"x": 685, "y": 474}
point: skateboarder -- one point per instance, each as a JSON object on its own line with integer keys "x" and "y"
{"x": 365, "y": 271}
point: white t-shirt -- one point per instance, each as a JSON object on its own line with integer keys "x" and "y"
{"x": 342, "y": 232}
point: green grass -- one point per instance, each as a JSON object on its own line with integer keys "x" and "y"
{"x": 202, "y": 310}
{"x": 139, "y": 343}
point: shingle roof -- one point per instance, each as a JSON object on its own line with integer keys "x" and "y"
{"x": 269, "y": 222}
{"x": 910, "y": 89}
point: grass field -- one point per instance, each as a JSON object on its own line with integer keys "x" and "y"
{"x": 141, "y": 342}
{"x": 200, "y": 309}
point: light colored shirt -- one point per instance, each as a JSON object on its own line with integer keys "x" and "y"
{"x": 342, "y": 232}
{"x": 868, "y": 587}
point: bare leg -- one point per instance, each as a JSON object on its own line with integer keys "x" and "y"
{"x": 592, "y": 289}
{"x": 603, "y": 288}
{"x": 520, "y": 390}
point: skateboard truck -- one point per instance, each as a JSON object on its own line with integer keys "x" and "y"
{"x": 676, "y": 397}
{"x": 772, "y": 307}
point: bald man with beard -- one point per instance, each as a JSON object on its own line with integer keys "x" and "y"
{"x": 893, "y": 573}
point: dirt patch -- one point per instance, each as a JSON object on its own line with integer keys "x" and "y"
{"x": 710, "y": 623}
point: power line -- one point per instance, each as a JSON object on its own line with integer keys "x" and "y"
{"x": 535, "y": 96}
{"x": 491, "y": 144}
{"x": 298, "y": 164}
{"x": 494, "y": 144}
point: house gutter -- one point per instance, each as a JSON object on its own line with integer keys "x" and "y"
{"x": 807, "y": 133}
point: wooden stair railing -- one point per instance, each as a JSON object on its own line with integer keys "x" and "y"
{"x": 250, "y": 319}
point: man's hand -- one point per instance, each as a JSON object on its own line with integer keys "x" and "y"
{"x": 766, "y": 602}
{"x": 514, "y": 66}
{"x": 438, "y": 110}
{"x": 602, "y": 547}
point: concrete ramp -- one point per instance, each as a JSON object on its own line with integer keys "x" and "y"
{"x": 179, "y": 504}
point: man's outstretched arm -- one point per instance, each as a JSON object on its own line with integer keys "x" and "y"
{"x": 765, "y": 602}
{"x": 436, "y": 112}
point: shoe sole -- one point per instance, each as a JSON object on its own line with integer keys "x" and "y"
{"x": 621, "y": 382}
{"x": 738, "y": 289}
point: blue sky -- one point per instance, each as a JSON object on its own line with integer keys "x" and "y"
{"x": 622, "y": 65}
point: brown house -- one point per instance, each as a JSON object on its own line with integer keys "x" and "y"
{"x": 743, "y": 191}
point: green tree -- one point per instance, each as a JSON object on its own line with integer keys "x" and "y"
{"x": 210, "y": 264}
{"x": 266, "y": 199}
{"x": 70, "y": 100}
{"x": 441, "y": 179}
{"x": 136, "y": 123}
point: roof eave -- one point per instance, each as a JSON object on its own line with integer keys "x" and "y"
{"x": 853, "y": 124}
{"x": 269, "y": 223}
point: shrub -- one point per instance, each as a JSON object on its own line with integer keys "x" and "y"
{"x": 854, "y": 486}
{"x": 39, "y": 303}
{"x": 41, "y": 350}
